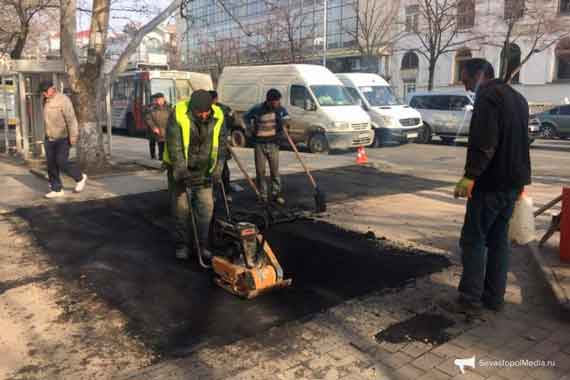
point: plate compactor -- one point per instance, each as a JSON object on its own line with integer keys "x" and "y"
{"x": 247, "y": 267}
{"x": 243, "y": 262}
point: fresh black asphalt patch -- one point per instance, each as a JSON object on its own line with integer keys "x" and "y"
{"x": 424, "y": 328}
{"x": 120, "y": 249}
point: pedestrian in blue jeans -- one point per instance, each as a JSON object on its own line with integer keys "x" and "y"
{"x": 496, "y": 171}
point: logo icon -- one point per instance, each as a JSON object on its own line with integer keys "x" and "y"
{"x": 462, "y": 363}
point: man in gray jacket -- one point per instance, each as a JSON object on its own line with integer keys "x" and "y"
{"x": 62, "y": 132}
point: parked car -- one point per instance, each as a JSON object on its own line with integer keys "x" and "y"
{"x": 391, "y": 120}
{"x": 323, "y": 114}
{"x": 554, "y": 123}
{"x": 448, "y": 115}
{"x": 444, "y": 114}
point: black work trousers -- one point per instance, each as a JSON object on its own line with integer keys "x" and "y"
{"x": 57, "y": 155}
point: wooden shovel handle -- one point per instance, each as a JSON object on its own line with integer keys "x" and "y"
{"x": 294, "y": 147}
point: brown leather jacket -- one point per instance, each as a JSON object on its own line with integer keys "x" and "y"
{"x": 156, "y": 120}
{"x": 59, "y": 118}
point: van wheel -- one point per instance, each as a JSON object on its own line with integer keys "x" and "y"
{"x": 131, "y": 125}
{"x": 238, "y": 138}
{"x": 318, "y": 144}
{"x": 425, "y": 134}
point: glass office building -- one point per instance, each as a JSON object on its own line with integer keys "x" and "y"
{"x": 268, "y": 31}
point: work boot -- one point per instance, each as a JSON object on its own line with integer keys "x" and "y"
{"x": 80, "y": 185}
{"x": 55, "y": 194}
{"x": 496, "y": 307}
{"x": 461, "y": 306}
{"x": 182, "y": 253}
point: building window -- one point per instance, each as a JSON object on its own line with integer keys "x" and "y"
{"x": 565, "y": 6}
{"x": 510, "y": 61}
{"x": 563, "y": 59}
{"x": 409, "y": 87}
{"x": 460, "y": 57}
{"x": 466, "y": 14}
{"x": 412, "y": 18}
{"x": 410, "y": 61}
{"x": 514, "y": 9}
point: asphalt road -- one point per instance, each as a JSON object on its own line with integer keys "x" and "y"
{"x": 550, "y": 158}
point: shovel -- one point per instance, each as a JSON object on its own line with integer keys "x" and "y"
{"x": 320, "y": 199}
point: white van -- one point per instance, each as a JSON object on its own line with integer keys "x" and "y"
{"x": 391, "y": 120}
{"x": 323, "y": 114}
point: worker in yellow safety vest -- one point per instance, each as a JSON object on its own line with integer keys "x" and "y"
{"x": 194, "y": 155}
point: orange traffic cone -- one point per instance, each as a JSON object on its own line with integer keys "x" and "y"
{"x": 361, "y": 157}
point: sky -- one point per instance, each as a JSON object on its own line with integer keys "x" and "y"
{"x": 123, "y": 12}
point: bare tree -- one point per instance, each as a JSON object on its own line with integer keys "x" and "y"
{"x": 87, "y": 78}
{"x": 264, "y": 39}
{"x": 16, "y": 23}
{"x": 438, "y": 31}
{"x": 376, "y": 29}
{"x": 287, "y": 22}
{"x": 536, "y": 23}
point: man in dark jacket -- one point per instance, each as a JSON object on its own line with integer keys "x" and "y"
{"x": 229, "y": 124}
{"x": 194, "y": 154}
{"x": 497, "y": 169}
{"x": 156, "y": 119}
{"x": 266, "y": 120}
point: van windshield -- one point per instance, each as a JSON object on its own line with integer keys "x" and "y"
{"x": 379, "y": 96}
{"x": 332, "y": 95}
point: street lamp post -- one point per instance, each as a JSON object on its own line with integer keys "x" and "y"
{"x": 325, "y": 33}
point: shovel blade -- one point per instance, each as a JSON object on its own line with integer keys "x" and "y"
{"x": 320, "y": 202}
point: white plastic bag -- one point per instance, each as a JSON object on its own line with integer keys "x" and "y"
{"x": 521, "y": 227}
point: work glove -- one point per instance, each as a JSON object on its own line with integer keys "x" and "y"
{"x": 181, "y": 174}
{"x": 464, "y": 188}
{"x": 217, "y": 177}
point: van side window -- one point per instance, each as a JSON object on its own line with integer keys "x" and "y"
{"x": 416, "y": 102}
{"x": 441, "y": 103}
{"x": 298, "y": 96}
{"x": 458, "y": 103}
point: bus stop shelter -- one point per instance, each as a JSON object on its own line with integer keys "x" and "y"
{"x": 21, "y": 122}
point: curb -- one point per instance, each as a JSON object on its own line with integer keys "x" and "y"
{"x": 550, "y": 277}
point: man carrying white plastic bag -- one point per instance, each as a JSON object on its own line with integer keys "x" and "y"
{"x": 496, "y": 171}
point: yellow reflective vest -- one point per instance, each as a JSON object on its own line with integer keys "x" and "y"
{"x": 184, "y": 122}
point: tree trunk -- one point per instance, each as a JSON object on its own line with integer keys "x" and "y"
{"x": 90, "y": 147}
{"x": 431, "y": 70}
{"x": 18, "y": 49}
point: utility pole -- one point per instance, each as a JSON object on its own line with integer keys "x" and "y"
{"x": 325, "y": 33}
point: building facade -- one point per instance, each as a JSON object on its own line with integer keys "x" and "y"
{"x": 268, "y": 32}
{"x": 483, "y": 25}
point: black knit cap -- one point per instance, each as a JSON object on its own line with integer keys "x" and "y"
{"x": 200, "y": 101}
{"x": 45, "y": 85}
{"x": 273, "y": 94}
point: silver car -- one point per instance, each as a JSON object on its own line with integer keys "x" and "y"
{"x": 445, "y": 114}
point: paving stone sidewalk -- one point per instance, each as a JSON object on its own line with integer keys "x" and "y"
{"x": 340, "y": 344}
